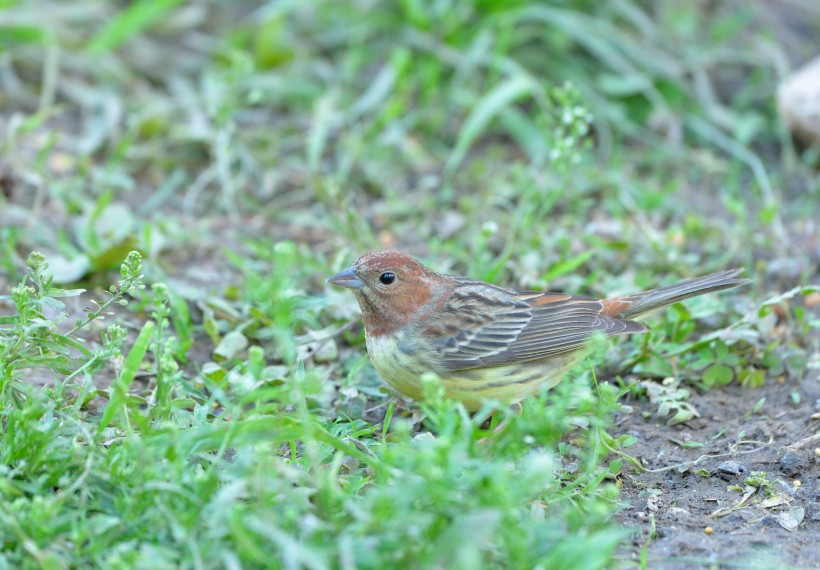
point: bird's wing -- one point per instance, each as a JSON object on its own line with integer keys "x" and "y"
{"x": 484, "y": 325}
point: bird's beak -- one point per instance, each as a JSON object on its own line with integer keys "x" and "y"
{"x": 346, "y": 278}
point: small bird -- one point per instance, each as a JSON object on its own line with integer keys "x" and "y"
{"x": 487, "y": 342}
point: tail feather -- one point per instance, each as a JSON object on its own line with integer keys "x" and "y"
{"x": 642, "y": 304}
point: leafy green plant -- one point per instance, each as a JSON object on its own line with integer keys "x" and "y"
{"x": 717, "y": 364}
{"x": 671, "y": 399}
{"x": 31, "y": 339}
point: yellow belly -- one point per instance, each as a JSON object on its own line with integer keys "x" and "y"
{"x": 508, "y": 384}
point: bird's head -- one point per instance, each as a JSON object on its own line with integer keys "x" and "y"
{"x": 393, "y": 289}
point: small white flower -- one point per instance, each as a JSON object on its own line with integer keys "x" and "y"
{"x": 489, "y": 228}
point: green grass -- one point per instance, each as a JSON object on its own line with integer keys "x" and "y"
{"x": 215, "y": 161}
{"x": 248, "y": 467}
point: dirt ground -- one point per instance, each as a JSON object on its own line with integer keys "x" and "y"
{"x": 695, "y": 516}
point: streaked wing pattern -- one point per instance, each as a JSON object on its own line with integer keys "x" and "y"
{"x": 522, "y": 326}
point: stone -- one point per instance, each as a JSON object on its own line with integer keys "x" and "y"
{"x": 798, "y": 102}
{"x": 793, "y": 464}
{"x": 729, "y": 470}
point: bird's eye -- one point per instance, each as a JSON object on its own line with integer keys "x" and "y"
{"x": 387, "y": 277}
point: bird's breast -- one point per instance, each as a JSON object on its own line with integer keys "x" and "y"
{"x": 399, "y": 361}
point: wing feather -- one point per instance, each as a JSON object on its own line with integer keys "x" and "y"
{"x": 509, "y": 327}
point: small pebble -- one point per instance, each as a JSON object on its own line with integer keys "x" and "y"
{"x": 793, "y": 463}
{"x": 769, "y": 521}
{"x": 731, "y": 469}
{"x": 349, "y": 464}
{"x": 709, "y": 530}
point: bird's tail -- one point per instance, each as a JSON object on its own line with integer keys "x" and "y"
{"x": 643, "y": 304}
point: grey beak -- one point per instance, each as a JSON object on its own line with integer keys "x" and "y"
{"x": 346, "y": 278}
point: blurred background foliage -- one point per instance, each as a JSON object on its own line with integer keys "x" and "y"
{"x": 331, "y": 114}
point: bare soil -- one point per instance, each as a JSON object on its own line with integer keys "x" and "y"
{"x": 693, "y": 516}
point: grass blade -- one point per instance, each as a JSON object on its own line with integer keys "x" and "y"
{"x": 123, "y": 383}
{"x": 485, "y": 110}
{"x": 130, "y": 22}
{"x": 568, "y": 265}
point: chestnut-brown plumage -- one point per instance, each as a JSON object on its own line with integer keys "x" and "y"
{"x": 485, "y": 341}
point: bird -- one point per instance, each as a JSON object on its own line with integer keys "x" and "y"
{"x": 487, "y": 342}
